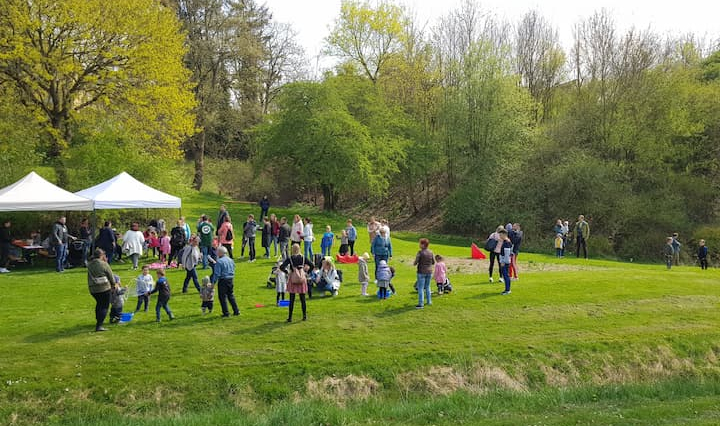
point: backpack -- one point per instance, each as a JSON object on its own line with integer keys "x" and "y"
{"x": 178, "y": 236}
{"x": 297, "y": 275}
{"x": 229, "y": 235}
{"x": 490, "y": 244}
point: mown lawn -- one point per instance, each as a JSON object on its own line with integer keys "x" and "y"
{"x": 577, "y": 342}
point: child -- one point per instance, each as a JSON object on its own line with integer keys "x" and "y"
{"x": 343, "y": 237}
{"x": 559, "y": 243}
{"x": 383, "y": 275}
{"x": 352, "y": 235}
{"x": 440, "y": 274}
{"x": 144, "y": 285}
{"x": 280, "y": 283}
{"x": 505, "y": 259}
{"x": 162, "y": 288}
{"x": 702, "y": 255}
{"x": 363, "y": 273}
{"x": 164, "y": 246}
{"x": 207, "y": 295}
{"x": 327, "y": 241}
{"x": 117, "y": 300}
{"x": 153, "y": 242}
{"x": 669, "y": 251}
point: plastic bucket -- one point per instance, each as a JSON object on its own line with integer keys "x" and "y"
{"x": 126, "y": 317}
{"x": 284, "y": 303}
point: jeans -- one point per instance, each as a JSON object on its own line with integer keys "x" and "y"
{"x": 274, "y": 241}
{"x": 326, "y": 251}
{"x": 163, "y": 303}
{"x": 581, "y": 243}
{"x": 558, "y": 252}
{"x": 423, "y": 287}
{"x": 143, "y": 298}
{"x": 205, "y": 250}
{"x": 352, "y": 247}
{"x": 174, "y": 253}
{"x": 135, "y": 257}
{"x": 505, "y": 273}
{"x": 191, "y": 274}
{"x": 284, "y": 249}
{"x": 251, "y": 248}
{"x": 102, "y": 304}
{"x": 225, "y": 293}
{"x": 308, "y": 250}
{"x": 60, "y": 257}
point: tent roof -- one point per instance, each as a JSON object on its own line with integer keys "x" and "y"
{"x": 33, "y": 193}
{"x": 125, "y": 192}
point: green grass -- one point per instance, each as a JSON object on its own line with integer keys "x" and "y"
{"x": 577, "y": 342}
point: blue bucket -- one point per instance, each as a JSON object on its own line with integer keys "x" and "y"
{"x": 284, "y": 303}
{"x": 126, "y": 317}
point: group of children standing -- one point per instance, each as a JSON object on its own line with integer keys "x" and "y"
{"x": 671, "y": 251}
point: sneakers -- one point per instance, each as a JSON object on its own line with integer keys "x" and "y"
{"x": 491, "y": 280}
{"x": 505, "y": 293}
{"x": 100, "y": 328}
{"x": 419, "y": 307}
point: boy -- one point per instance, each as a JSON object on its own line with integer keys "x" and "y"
{"x": 702, "y": 254}
{"x": 162, "y": 288}
{"x": 669, "y": 252}
{"x": 117, "y": 300}
{"x": 505, "y": 259}
{"x": 207, "y": 295}
{"x": 676, "y": 249}
{"x": 559, "y": 246}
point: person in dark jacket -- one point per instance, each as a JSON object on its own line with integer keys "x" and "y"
{"x": 516, "y": 237}
{"x": 266, "y": 236}
{"x": 5, "y": 241}
{"x": 162, "y": 288}
{"x": 424, "y": 260}
{"x": 177, "y": 241}
{"x": 106, "y": 240}
{"x": 296, "y": 285}
{"x": 264, "y": 206}
{"x": 100, "y": 281}
{"x": 249, "y": 231}
{"x": 284, "y": 237}
{"x": 59, "y": 240}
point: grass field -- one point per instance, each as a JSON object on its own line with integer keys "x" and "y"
{"x": 577, "y": 342}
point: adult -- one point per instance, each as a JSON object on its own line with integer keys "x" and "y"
{"x": 100, "y": 281}
{"x": 226, "y": 233}
{"x": 582, "y": 233}
{"x": 352, "y": 235}
{"x": 133, "y": 242}
{"x": 381, "y": 248}
{"x": 222, "y": 214}
{"x": 186, "y": 228}
{"x": 59, "y": 240}
{"x": 5, "y": 241}
{"x": 373, "y": 227}
{"x": 249, "y": 233}
{"x": 177, "y": 241}
{"x": 516, "y": 237}
{"x": 85, "y": 234}
{"x": 223, "y": 275}
{"x": 106, "y": 240}
{"x": 296, "y": 234}
{"x": 386, "y": 226}
{"x": 557, "y": 229}
{"x": 308, "y": 237}
{"x": 328, "y": 279}
{"x": 495, "y": 252}
{"x": 189, "y": 258}
{"x": 676, "y": 249}
{"x": 266, "y": 236}
{"x": 297, "y": 281}
{"x": 205, "y": 232}
{"x": 264, "y": 207}
{"x": 274, "y": 232}
{"x": 284, "y": 237}
{"x": 424, "y": 260}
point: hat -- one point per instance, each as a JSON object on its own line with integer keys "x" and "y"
{"x": 382, "y": 262}
{"x": 365, "y": 256}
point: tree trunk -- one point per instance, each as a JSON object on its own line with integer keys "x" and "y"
{"x": 199, "y": 161}
{"x": 329, "y": 197}
{"x": 59, "y": 139}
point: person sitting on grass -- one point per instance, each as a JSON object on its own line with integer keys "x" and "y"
{"x": 328, "y": 279}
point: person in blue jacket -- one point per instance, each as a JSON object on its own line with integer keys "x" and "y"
{"x": 381, "y": 248}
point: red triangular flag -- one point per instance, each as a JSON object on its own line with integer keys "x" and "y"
{"x": 476, "y": 253}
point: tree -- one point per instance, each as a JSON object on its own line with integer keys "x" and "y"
{"x": 366, "y": 35}
{"x": 124, "y": 56}
{"x": 284, "y": 63}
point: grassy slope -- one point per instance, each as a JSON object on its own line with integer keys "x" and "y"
{"x": 577, "y": 340}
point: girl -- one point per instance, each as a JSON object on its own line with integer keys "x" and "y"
{"x": 143, "y": 285}
{"x": 327, "y": 241}
{"x": 440, "y": 273}
{"x": 162, "y": 288}
{"x": 280, "y": 284}
{"x": 383, "y": 275}
{"x": 164, "y": 246}
{"x": 363, "y": 273}
{"x": 226, "y": 235}
{"x": 344, "y": 241}
{"x": 153, "y": 242}
{"x": 207, "y": 295}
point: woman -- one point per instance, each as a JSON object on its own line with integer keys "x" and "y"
{"x": 372, "y": 227}
{"x": 424, "y": 260}
{"x": 266, "y": 236}
{"x": 495, "y": 251}
{"x": 308, "y": 237}
{"x": 226, "y": 233}
{"x": 381, "y": 248}
{"x": 296, "y": 235}
{"x": 297, "y": 279}
{"x": 274, "y": 232}
{"x": 329, "y": 280}
{"x": 133, "y": 242}
{"x": 100, "y": 281}
{"x": 190, "y": 257}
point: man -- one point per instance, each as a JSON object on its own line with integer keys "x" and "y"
{"x": 221, "y": 217}
{"x": 676, "y": 249}
{"x": 59, "y": 240}
{"x": 352, "y": 236}
{"x": 177, "y": 241}
{"x": 106, "y": 240}
{"x": 582, "y": 233}
{"x": 249, "y": 232}
{"x": 264, "y": 207}
{"x": 205, "y": 232}
{"x": 223, "y": 275}
{"x": 284, "y": 237}
{"x": 5, "y": 240}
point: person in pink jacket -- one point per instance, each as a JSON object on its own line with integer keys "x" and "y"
{"x": 440, "y": 273}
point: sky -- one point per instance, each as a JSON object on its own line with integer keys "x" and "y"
{"x": 312, "y": 19}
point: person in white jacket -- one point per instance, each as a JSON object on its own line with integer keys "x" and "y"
{"x": 133, "y": 243}
{"x": 308, "y": 237}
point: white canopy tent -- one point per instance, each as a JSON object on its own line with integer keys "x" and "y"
{"x": 125, "y": 192}
{"x": 33, "y": 193}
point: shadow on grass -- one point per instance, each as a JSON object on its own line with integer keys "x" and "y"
{"x": 482, "y": 296}
{"x": 395, "y": 311}
{"x": 62, "y": 333}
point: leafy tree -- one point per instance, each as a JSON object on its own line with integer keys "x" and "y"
{"x": 124, "y": 56}
{"x": 19, "y": 141}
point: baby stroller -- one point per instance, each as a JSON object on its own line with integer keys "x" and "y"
{"x": 271, "y": 278}
{"x": 75, "y": 253}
